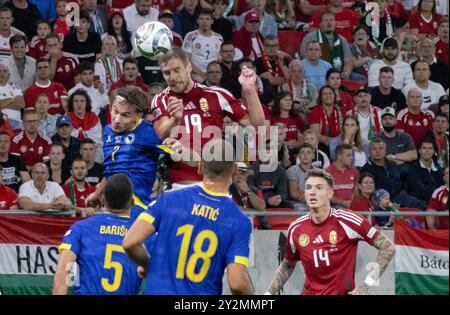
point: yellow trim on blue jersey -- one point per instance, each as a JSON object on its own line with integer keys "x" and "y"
{"x": 212, "y": 193}
{"x": 165, "y": 148}
{"x": 138, "y": 202}
{"x": 241, "y": 260}
{"x": 146, "y": 217}
{"x": 64, "y": 246}
{"x": 137, "y": 124}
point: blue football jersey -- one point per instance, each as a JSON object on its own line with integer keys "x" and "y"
{"x": 134, "y": 153}
{"x": 103, "y": 265}
{"x": 199, "y": 234}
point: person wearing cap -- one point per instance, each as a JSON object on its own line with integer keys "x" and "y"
{"x": 64, "y": 136}
{"x": 248, "y": 38}
{"x": 383, "y": 203}
{"x": 403, "y": 74}
{"x": 250, "y": 198}
{"x": 385, "y": 95}
{"x": 440, "y": 139}
{"x": 269, "y": 26}
{"x": 138, "y": 13}
{"x": 166, "y": 17}
{"x": 400, "y": 147}
{"x": 185, "y": 20}
{"x": 368, "y": 116}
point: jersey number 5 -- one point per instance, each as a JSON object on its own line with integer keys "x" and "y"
{"x": 205, "y": 256}
{"x": 117, "y": 266}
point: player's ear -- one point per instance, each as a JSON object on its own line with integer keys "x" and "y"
{"x": 330, "y": 193}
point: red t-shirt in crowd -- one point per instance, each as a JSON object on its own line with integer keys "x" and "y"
{"x": 55, "y": 92}
{"x": 442, "y": 51}
{"x": 299, "y": 13}
{"x": 330, "y": 126}
{"x": 66, "y": 70}
{"x": 8, "y": 197}
{"x": 293, "y": 125}
{"x": 37, "y": 48}
{"x": 61, "y": 27}
{"x": 438, "y": 202}
{"x": 361, "y": 203}
{"x": 344, "y": 181}
{"x": 348, "y": 102}
{"x": 425, "y": 27}
{"x": 346, "y": 21}
{"x": 79, "y": 195}
{"x": 327, "y": 250}
{"x": 416, "y": 125}
{"x": 31, "y": 152}
{"x": 204, "y": 108}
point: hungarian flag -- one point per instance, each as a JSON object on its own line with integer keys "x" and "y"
{"x": 421, "y": 261}
{"x": 29, "y": 252}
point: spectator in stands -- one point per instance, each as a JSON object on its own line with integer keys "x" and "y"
{"x": 154, "y": 89}
{"x": 37, "y": 44}
{"x": 130, "y": 76}
{"x": 46, "y": 8}
{"x": 138, "y": 13}
{"x": 63, "y": 65}
{"x": 424, "y": 175}
{"x": 431, "y": 91}
{"x": 59, "y": 172}
{"x": 364, "y": 52}
{"x": 320, "y": 159}
{"x": 351, "y": 134}
{"x": 283, "y": 12}
{"x": 424, "y": 23}
{"x": 213, "y": 74}
{"x": 78, "y": 189}
{"x": 335, "y": 48}
{"x": 363, "y": 198}
{"x": 21, "y": 67}
{"x": 382, "y": 25}
{"x": 268, "y": 24}
{"x": 39, "y": 194}
{"x": 85, "y": 45}
{"x": 11, "y": 99}
{"x": 6, "y": 32}
{"x": 14, "y": 169}
{"x": 269, "y": 65}
{"x": 396, "y": 8}
{"x": 28, "y": 144}
{"x": 438, "y": 69}
{"x": 402, "y": 70}
{"x": 167, "y": 17}
{"x": 344, "y": 174}
{"x": 88, "y": 153}
{"x": 63, "y": 136}
{"x": 248, "y": 38}
{"x": 443, "y": 105}
{"x": 346, "y": 19}
{"x": 439, "y": 137}
{"x": 387, "y": 176}
{"x": 117, "y": 28}
{"x": 55, "y": 91}
{"x": 202, "y": 45}
{"x": 413, "y": 120}
{"x": 343, "y": 99}
{"x": 150, "y": 70}
{"x": 25, "y": 15}
{"x": 230, "y": 68}
{"x": 326, "y": 119}
{"x": 400, "y": 147}
{"x": 221, "y": 24}
{"x": 47, "y": 123}
{"x": 94, "y": 88}
{"x": 185, "y": 20}
{"x": 98, "y": 17}
{"x": 59, "y": 25}
{"x": 109, "y": 66}
{"x": 385, "y": 95}
{"x": 8, "y": 197}
{"x": 442, "y": 43}
{"x": 296, "y": 175}
{"x": 5, "y": 126}
{"x": 439, "y": 202}
{"x": 248, "y": 197}
{"x": 315, "y": 68}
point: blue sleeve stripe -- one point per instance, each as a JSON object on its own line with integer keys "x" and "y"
{"x": 241, "y": 260}
{"x": 146, "y": 217}
{"x": 64, "y": 246}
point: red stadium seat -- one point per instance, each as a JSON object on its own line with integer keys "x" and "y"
{"x": 290, "y": 41}
{"x": 278, "y": 222}
{"x": 351, "y": 86}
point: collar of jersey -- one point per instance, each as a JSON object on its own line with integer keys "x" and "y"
{"x": 117, "y": 215}
{"x": 212, "y": 193}
{"x": 137, "y": 124}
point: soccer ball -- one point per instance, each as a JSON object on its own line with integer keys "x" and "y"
{"x": 153, "y": 40}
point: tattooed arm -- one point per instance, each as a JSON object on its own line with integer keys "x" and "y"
{"x": 386, "y": 250}
{"x": 282, "y": 275}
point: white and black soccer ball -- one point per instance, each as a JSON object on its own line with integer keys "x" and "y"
{"x": 153, "y": 40}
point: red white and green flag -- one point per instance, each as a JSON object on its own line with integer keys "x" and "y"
{"x": 29, "y": 252}
{"x": 421, "y": 261}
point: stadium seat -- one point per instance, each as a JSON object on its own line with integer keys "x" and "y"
{"x": 351, "y": 86}
{"x": 290, "y": 41}
{"x": 278, "y": 222}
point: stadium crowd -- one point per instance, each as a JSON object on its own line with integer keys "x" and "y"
{"x": 358, "y": 88}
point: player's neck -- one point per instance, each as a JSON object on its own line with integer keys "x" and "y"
{"x": 422, "y": 84}
{"x": 206, "y": 33}
{"x": 189, "y": 86}
{"x": 79, "y": 184}
{"x": 414, "y": 110}
{"x": 31, "y": 136}
{"x": 219, "y": 187}
{"x": 4, "y": 157}
{"x": 319, "y": 215}
{"x": 89, "y": 164}
{"x": 339, "y": 165}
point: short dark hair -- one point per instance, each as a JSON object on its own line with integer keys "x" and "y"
{"x": 226, "y": 43}
{"x": 361, "y": 27}
{"x": 134, "y": 96}
{"x": 426, "y": 140}
{"x": 16, "y": 39}
{"x": 86, "y": 141}
{"x": 270, "y": 37}
{"x": 44, "y": 22}
{"x": 130, "y": 60}
{"x": 77, "y": 159}
{"x": 307, "y": 146}
{"x": 81, "y": 92}
{"x": 205, "y": 11}
{"x": 247, "y": 60}
{"x": 317, "y": 172}
{"x": 86, "y": 65}
{"x": 217, "y": 168}
{"x": 175, "y": 53}
{"x": 326, "y": 12}
{"x": 57, "y": 144}
{"x": 331, "y": 71}
{"x": 6, "y": 9}
{"x": 40, "y": 60}
{"x": 118, "y": 192}
{"x": 420, "y": 61}
{"x": 4, "y": 133}
{"x": 28, "y": 111}
{"x": 441, "y": 114}
{"x": 85, "y": 16}
{"x": 342, "y": 147}
{"x": 386, "y": 69}
{"x": 214, "y": 62}
{"x": 53, "y": 35}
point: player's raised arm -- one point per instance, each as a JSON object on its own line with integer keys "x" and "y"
{"x": 255, "y": 117}
{"x": 281, "y": 276}
{"x": 238, "y": 281}
{"x": 62, "y": 271}
{"x": 93, "y": 200}
{"x": 386, "y": 250}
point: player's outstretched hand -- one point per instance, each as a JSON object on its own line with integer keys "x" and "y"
{"x": 92, "y": 201}
{"x": 247, "y": 79}
{"x": 175, "y": 108}
{"x": 174, "y": 145}
{"x": 142, "y": 272}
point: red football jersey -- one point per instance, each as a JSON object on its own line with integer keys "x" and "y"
{"x": 8, "y": 197}
{"x": 77, "y": 195}
{"x": 55, "y": 92}
{"x": 330, "y": 126}
{"x": 31, "y": 152}
{"x": 204, "y": 107}
{"x": 442, "y": 51}
{"x": 416, "y": 125}
{"x": 293, "y": 125}
{"x": 425, "y": 27}
{"x": 328, "y": 250}
{"x": 66, "y": 70}
{"x": 438, "y": 202}
{"x": 37, "y": 48}
{"x": 344, "y": 181}
{"x": 346, "y": 21}
{"x": 299, "y": 13}
{"x": 61, "y": 27}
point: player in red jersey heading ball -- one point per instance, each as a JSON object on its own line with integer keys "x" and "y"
{"x": 325, "y": 241}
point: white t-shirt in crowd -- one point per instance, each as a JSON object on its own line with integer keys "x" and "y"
{"x": 51, "y": 192}
{"x": 402, "y": 73}
{"x": 430, "y": 95}
{"x": 10, "y": 91}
